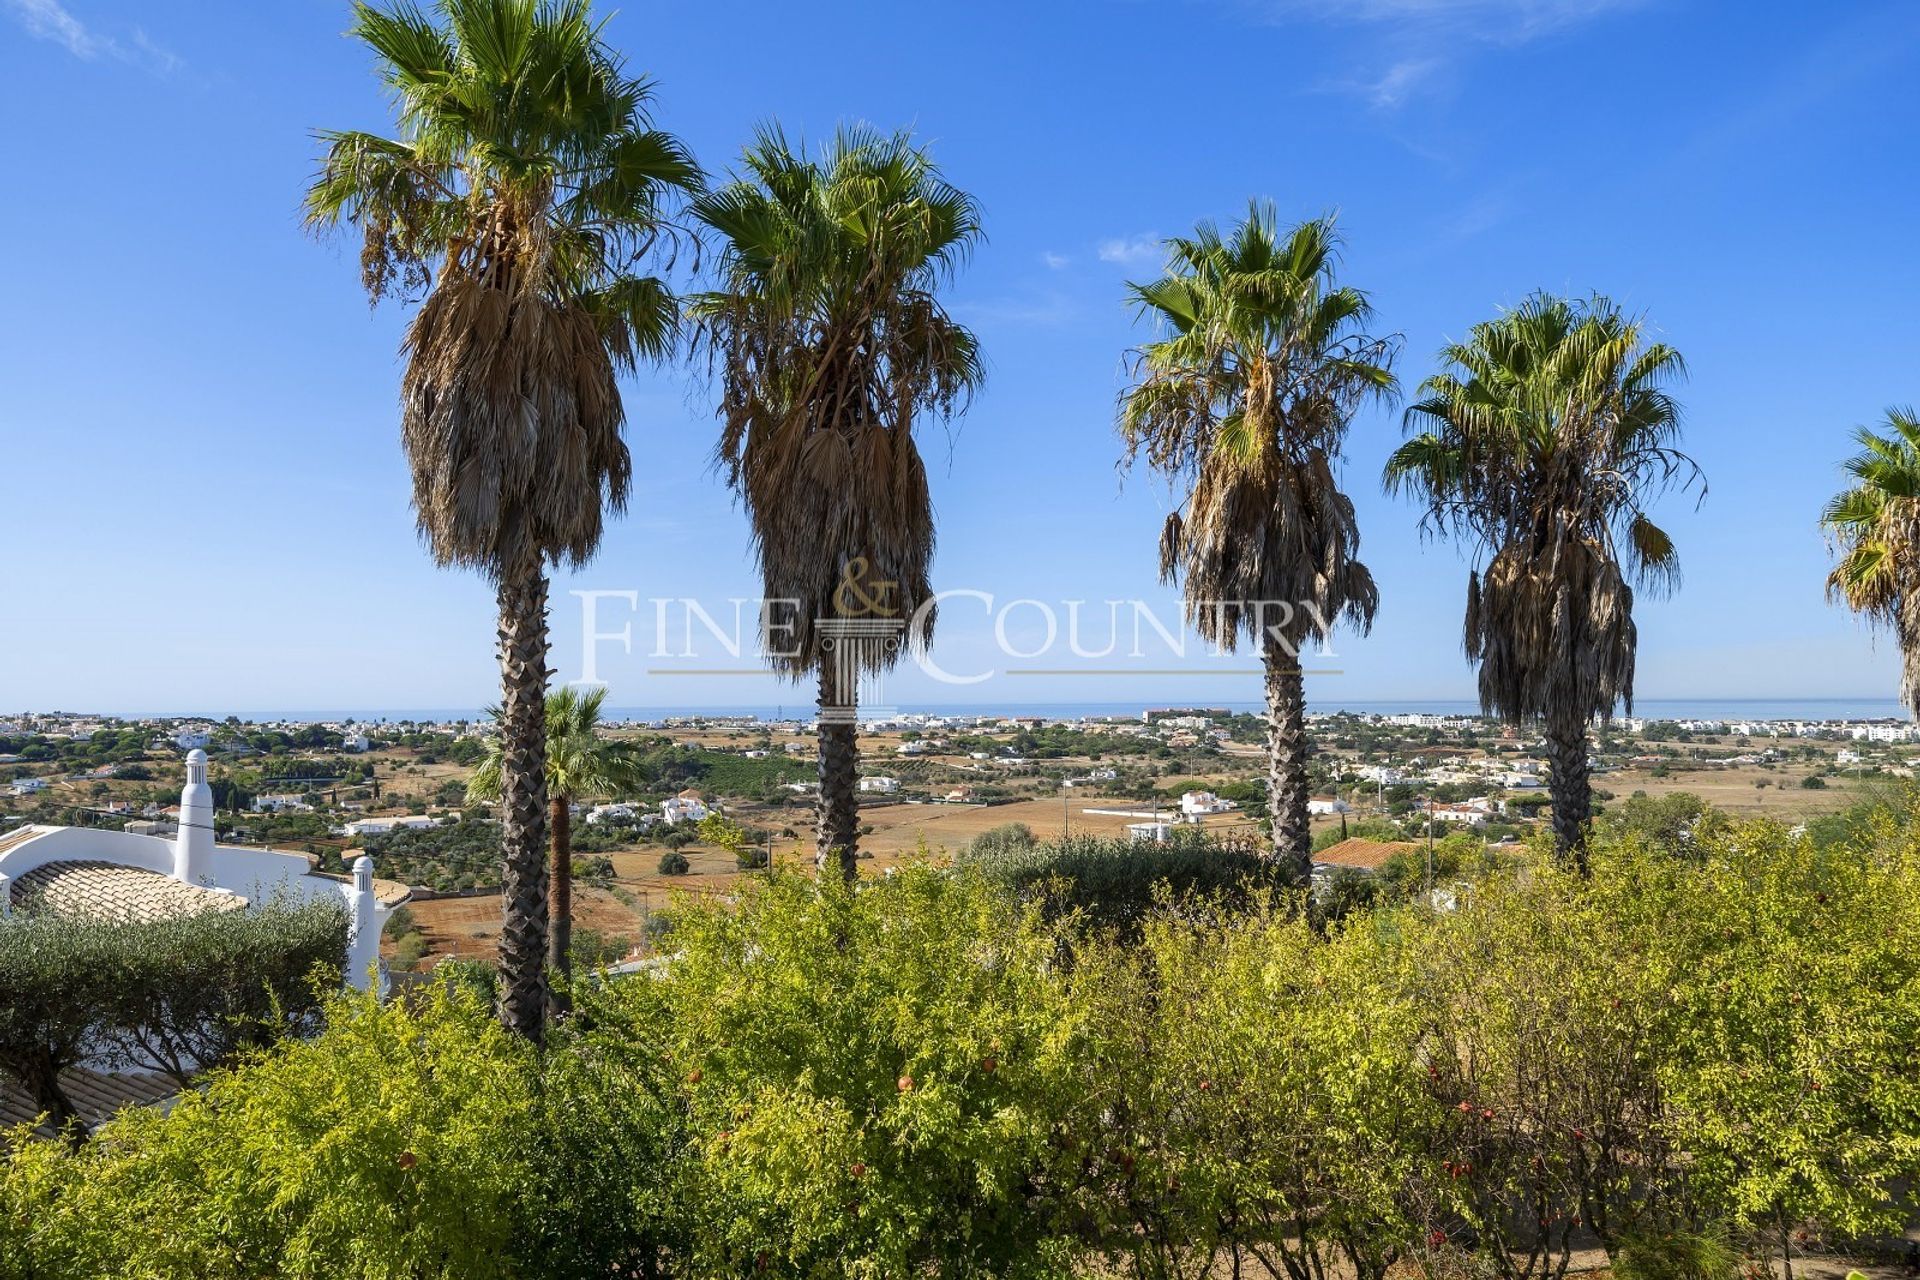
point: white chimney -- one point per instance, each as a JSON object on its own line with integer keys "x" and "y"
{"x": 363, "y": 927}
{"x": 193, "y": 844}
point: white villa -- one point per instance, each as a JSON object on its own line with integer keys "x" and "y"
{"x": 1326, "y": 805}
{"x": 121, "y": 876}
{"x": 620, "y": 809}
{"x": 286, "y": 802}
{"x": 353, "y": 740}
{"x": 885, "y": 786}
{"x": 1198, "y": 804}
{"x": 27, "y": 786}
{"x": 384, "y": 826}
{"x": 1149, "y": 832}
{"x": 685, "y": 807}
{"x": 192, "y": 739}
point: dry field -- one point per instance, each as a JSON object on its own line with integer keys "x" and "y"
{"x": 1735, "y": 789}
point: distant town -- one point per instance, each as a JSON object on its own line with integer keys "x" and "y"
{"x": 931, "y": 785}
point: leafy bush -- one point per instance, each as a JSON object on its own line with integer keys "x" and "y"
{"x": 1114, "y": 884}
{"x": 393, "y": 1146}
{"x": 1008, "y": 837}
{"x": 881, "y": 1097}
{"x": 1676, "y": 1255}
{"x": 674, "y": 863}
{"x": 1686, "y": 1056}
{"x": 171, "y": 996}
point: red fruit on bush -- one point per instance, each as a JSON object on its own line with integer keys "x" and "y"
{"x": 1205, "y": 1084}
{"x": 989, "y": 1065}
{"x": 693, "y": 1076}
{"x": 857, "y": 1169}
{"x": 904, "y": 1084}
{"x": 1486, "y": 1113}
{"x": 1466, "y": 1108}
{"x": 408, "y": 1160}
{"x": 1436, "y": 1238}
{"x": 1579, "y": 1135}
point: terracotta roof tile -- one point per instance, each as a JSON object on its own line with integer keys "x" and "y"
{"x": 1361, "y": 855}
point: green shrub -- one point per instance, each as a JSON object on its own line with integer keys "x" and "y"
{"x": 883, "y": 1097}
{"x": 1114, "y": 884}
{"x": 932, "y": 1077}
{"x": 1676, "y": 1255}
{"x": 1008, "y": 837}
{"x": 674, "y": 863}
{"x": 169, "y": 996}
{"x": 392, "y": 1146}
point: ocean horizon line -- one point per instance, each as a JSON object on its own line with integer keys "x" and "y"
{"x": 1692, "y": 708}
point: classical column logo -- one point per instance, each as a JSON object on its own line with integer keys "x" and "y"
{"x": 859, "y": 641}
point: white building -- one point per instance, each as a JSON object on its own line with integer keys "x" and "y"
{"x": 881, "y": 785}
{"x": 353, "y": 740}
{"x": 1324, "y": 805}
{"x": 192, "y": 739}
{"x": 123, "y": 876}
{"x": 283, "y": 803}
{"x": 624, "y": 810}
{"x": 1197, "y": 804}
{"x": 685, "y": 807}
{"x": 27, "y": 786}
{"x": 384, "y": 826}
{"x": 1150, "y": 832}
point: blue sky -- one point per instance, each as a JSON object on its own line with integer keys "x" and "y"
{"x": 203, "y": 488}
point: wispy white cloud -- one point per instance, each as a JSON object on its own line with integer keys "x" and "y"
{"x": 1424, "y": 38}
{"x": 1500, "y": 21}
{"x": 1130, "y": 251}
{"x": 165, "y": 61}
{"x": 49, "y": 20}
{"x": 52, "y": 21}
{"x": 1054, "y": 261}
{"x": 1399, "y": 82}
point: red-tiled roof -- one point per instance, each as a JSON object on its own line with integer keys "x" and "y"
{"x": 1361, "y": 855}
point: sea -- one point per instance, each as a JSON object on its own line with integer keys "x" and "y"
{"x": 1647, "y": 708}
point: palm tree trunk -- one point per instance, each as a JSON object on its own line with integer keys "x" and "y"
{"x": 1567, "y": 781}
{"x": 837, "y": 820}
{"x": 560, "y": 876}
{"x": 523, "y": 801}
{"x": 1287, "y": 762}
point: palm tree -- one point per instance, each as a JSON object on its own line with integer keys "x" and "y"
{"x": 1876, "y": 526}
{"x": 1248, "y": 398}
{"x": 580, "y": 763}
{"x": 523, "y": 193}
{"x": 830, "y": 344}
{"x": 1547, "y": 435}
